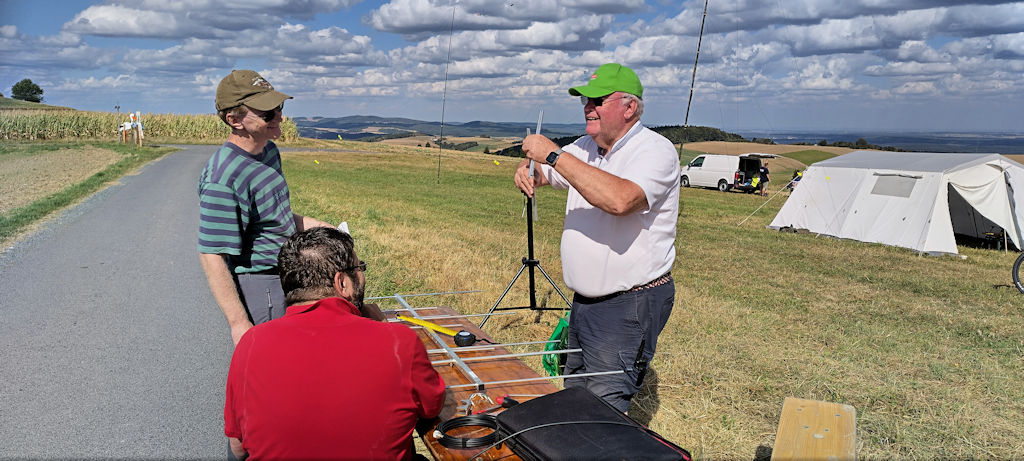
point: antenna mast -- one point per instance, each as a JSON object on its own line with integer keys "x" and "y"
{"x": 693, "y": 78}
{"x": 444, "y": 95}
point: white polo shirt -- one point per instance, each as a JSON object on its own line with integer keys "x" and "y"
{"x": 603, "y": 253}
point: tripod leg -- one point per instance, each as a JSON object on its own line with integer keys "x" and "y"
{"x": 542, "y": 271}
{"x": 509, "y": 287}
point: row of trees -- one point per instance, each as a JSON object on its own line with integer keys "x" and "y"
{"x": 26, "y": 90}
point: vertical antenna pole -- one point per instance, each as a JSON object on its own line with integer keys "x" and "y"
{"x": 444, "y": 94}
{"x": 531, "y": 210}
{"x": 693, "y": 78}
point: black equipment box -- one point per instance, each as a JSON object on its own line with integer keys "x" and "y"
{"x": 575, "y": 424}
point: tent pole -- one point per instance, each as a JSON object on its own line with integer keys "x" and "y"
{"x": 1013, "y": 213}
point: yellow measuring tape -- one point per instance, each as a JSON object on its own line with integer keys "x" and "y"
{"x": 426, "y": 324}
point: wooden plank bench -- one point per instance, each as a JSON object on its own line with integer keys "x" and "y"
{"x": 815, "y": 430}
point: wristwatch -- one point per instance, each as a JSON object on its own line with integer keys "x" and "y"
{"x": 553, "y": 157}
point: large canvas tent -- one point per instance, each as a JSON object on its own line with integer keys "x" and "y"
{"x": 909, "y": 199}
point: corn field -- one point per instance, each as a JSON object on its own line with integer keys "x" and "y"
{"x": 71, "y": 124}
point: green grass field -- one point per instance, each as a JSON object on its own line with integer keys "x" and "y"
{"x": 808, "y": 157}
{"x": 928, "y": 350}
{"x": 17, "y": 104}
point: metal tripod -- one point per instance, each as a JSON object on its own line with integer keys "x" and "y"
{"x": 530, "y": 263}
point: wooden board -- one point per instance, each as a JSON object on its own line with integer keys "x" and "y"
{"x": 815, "y": 430}
{"x": 487, "y": 371}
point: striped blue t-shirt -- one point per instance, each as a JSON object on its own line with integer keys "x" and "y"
{"x": 244, "y": 208}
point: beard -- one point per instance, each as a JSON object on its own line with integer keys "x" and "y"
{"x": 357, "y": 295}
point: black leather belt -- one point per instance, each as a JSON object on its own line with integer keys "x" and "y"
{"x": 653, "y": 283}
{"x": 271, "y": 271}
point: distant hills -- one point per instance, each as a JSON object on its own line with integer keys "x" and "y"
{"x": 365, "y": 128}
{"x": 373, "y": 128}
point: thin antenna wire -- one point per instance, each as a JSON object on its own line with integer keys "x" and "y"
{"x": 444, "y": 94}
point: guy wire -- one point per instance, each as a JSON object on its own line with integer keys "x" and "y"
{"x": 444, "y": 94}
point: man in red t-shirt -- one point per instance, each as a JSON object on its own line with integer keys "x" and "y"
{"x": 324, "y": 381}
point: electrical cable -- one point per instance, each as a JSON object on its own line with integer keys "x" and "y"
{"x": 485, "y": 421}
{"x": 560, "y": 423}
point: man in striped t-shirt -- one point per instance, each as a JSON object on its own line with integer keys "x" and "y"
{"x": 245, "y": 214}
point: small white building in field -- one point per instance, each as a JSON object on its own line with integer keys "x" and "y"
{"x": 909, "y": 199}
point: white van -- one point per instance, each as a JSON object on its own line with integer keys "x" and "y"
{"x": 710, "y": 170}
{"x": 723, "y": 171}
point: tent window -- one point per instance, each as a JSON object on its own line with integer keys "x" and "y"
{"x": 895, "y": 186}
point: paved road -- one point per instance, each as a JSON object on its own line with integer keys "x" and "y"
{"x": 110, "y": 343}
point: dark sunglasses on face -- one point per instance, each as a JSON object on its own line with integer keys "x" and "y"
{"x": 597, "y": 101}
{"x": 268, "y": 116}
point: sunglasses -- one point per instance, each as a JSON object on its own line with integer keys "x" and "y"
{"x": 597, "y": 101}
{"x": 361, "y": 267}
{"x": 267, "y": 116}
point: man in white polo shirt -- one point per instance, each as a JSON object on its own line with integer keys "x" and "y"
{"x": 618, "y": 244}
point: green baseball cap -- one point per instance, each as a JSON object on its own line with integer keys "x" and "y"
{"x": 608, "y": 79}
{"x": 249, "y": 88}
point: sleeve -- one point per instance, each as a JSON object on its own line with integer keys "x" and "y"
{"x": 427, "y": 385}
{"x": 220, "y": 220}
{"x": 655, "y": 168}
{"x": 233, "y": 392}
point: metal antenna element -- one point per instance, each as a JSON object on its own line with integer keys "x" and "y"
{"x": 444, "y": 94}
{"x": 540, "y": 121}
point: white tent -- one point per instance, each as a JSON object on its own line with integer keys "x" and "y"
{"x": 909, "y": 199}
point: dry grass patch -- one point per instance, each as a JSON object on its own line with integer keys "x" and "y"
{"x": 25, "y": 178}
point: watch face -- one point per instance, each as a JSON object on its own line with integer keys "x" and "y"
{"x": 552, "y": 157}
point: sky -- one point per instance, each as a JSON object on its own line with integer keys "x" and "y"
{"x": 764, "y": 65}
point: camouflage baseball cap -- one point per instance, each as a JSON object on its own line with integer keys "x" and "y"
{"x": 608, "y": 79}
{"x": 249, "y": 88}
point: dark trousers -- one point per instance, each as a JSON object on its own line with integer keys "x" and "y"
{"x": 262, "y": 296}
{"x": 609, "y": 332}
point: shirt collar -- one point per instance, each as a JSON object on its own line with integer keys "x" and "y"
{"x": 334, "y": 304}
{"x": 633, "y": 130}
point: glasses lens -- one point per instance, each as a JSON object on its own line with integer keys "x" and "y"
{"x": 270, "y": 115}
{"x": 597, "y": 101}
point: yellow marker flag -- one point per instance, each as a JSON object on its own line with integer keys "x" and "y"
{"x": 496, "y": 162}
{"x": 316, "y": 162}
{"x": 339, "y": 137}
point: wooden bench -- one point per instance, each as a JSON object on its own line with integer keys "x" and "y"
{"x": 815, "y": 430}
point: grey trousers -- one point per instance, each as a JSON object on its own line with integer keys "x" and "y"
{"x": 610, "y": 332}
{"x": 262, "y": 296}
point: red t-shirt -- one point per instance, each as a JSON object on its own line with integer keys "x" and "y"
{"x": 324, "y": 382}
